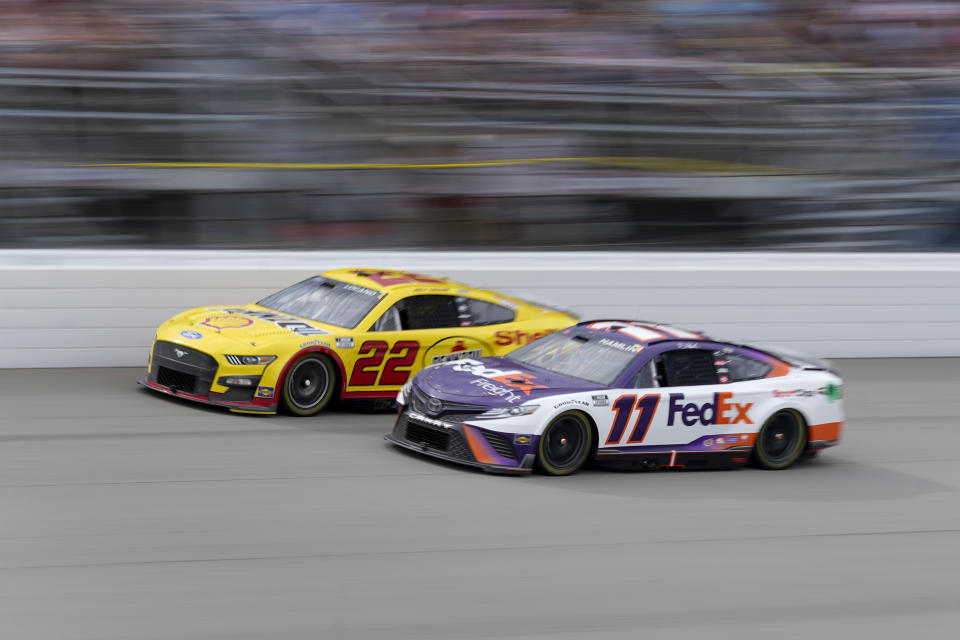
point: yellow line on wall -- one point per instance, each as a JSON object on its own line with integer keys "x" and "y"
{"x": 681, "y": 165}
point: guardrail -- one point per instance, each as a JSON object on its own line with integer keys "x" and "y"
{"x": 100, "y": 308}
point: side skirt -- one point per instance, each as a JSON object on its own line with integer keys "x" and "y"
{"x": 652, "y": 461}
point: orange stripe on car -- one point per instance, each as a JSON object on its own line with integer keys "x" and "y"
{"x": 780, "y": 368}
{"x": 828, "y": 431}
{"x": 476, "y": 442}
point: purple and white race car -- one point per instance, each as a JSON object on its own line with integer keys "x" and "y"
{"x": 632, "y": 394}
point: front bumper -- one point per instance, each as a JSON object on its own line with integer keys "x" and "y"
{"x": 215, "y": 399}
{"x": 189, "y": 373}
{"x": 462, "y": 443}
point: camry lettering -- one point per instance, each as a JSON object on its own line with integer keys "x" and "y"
{"x": 720, "y": 411}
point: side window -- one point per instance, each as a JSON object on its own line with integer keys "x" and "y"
{"x": 478, "y": 312}
{"x": 645, "y": 377}
{"x": 685, "y": 367}
{"x": 427, "y": 312}
{"x": 389, "y": 321}
{"x": 733, "y": 367}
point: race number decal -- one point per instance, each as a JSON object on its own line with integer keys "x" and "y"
{"x": 365, "y": 368}
{"x": 390, "y": 374}
{"x": 389, "y": 278}
{"x": 372, "y": 352}
{"x": 623, "y": 408}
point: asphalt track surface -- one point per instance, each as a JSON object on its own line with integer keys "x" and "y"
{"x": 128, "y": 515}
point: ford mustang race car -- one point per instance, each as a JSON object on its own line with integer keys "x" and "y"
{"x": 631, "y": 394}
{"x": 350, "y": 333}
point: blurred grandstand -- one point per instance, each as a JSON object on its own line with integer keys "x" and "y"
{"x": 620, "y": 124}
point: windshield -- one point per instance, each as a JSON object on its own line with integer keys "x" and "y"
{"x": 324, "y": 300}
{"x": 586, "y": 356}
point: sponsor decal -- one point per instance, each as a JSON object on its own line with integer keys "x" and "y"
{"x": 796, "y": 393}
{"x": 390, "y": 278}
{"x": 519, "y": 338}
{"x": 227, "y": 322}
{"x": 522, "y": 381}
{"x": 708, "y": 442}
{"x": 419, "y": 417}
{"x": 568, "y": 403}
{"x": 833, "y": 392}
{"x": 315, "y": 343}
{"x": 688, "y": 345}
{"x": 496, "y": 390}
{"x": 720, "y": 411}
{"x": 362, "y": 290}
{"x": 300, "y": 327}
{"x": 191, "y": 334}
{"x": 622, "y": 346}
{"x": 460, "y": 355}
{"x": 344, "y": 343}
{"x": 600, "y": 401}
{"x": 516, "y": 379}
{"x": 265, "y": 392}
{"x": 518, "y": 439}
{"x": 451, "y": 349}
{"x": 719, "y": 440}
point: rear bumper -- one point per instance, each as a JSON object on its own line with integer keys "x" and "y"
{"x": 825, "y": 435}
{"x": 257, "y": 405}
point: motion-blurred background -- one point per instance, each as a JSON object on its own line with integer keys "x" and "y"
{"x": 619, "y": 124}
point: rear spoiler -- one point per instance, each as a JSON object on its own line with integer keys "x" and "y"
{"x": 798, "y": 360}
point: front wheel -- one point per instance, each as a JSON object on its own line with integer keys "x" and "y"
{"x": 564, "y": 445}
{"x": 781, "y": 440}
{"x": 309, "y": 385}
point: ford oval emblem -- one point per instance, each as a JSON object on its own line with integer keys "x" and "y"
{"x": 434, "y": 405}
{"x": 191, "y": 334}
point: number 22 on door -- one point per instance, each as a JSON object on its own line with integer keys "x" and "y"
{"x": 372, "y": 353}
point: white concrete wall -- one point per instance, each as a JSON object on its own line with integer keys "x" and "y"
{"x": 100, "y": 308}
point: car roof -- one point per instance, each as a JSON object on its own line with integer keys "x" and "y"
{"x": 393, "y": 280}
{"x": 640, "y": 331}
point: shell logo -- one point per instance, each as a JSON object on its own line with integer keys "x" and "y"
{"x": 227, "y": 322}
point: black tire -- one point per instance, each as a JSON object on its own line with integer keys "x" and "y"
{"x": 309, "y": 385}
{"x": 565, "y": 444}
{"x": 781, "y": 441}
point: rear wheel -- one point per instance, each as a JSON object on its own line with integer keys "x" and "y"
{"x": 309, "y": 385}
{"x": 565, "y": 444}
{"x": 781, "y": 440}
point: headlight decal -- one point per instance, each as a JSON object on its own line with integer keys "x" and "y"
{"x": 250, "y": 360}
{"x": 507, "y": 412}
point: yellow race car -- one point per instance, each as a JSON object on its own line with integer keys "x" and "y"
{"x": 349, "y": 333}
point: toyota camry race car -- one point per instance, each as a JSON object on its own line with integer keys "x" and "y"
{"x": 350, "y": 333}
{"x": 632, "y": 394}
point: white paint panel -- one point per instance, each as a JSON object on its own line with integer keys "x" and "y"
{"x": 100, "y": 308}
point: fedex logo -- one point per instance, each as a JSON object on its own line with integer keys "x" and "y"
{"x": 720, "y": 411}
{"x": 518, "y": 379}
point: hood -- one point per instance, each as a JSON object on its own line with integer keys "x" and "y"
{"x": 219, "y": 328}
{"x": 495, "y": 382}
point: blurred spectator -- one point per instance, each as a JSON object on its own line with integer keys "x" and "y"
{"x": 697, "y": 123}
